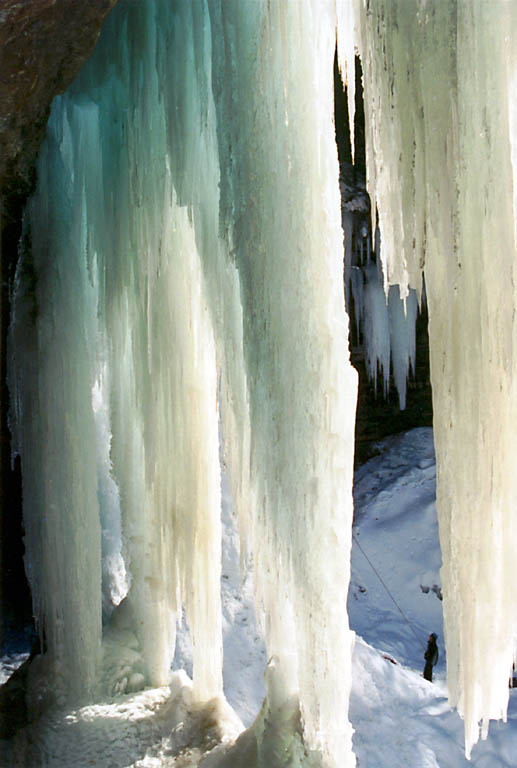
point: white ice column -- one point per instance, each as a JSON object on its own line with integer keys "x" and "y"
{"x": 438, "y": 80}
{"x": 280, "y": 203}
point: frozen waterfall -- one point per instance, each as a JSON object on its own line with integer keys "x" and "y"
{"x": 180, "y": 285}
{"x": 181, "y": 275}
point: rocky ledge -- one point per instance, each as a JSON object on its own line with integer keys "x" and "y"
{"x": 43, "y": 45}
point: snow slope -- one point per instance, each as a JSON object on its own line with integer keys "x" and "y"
{"x": 399, "y": 718}
{"x": 396, "y": 533}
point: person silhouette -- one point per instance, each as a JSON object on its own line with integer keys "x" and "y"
{"x": 431, "y": 657}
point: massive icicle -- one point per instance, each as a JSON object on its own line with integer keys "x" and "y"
{"x": 440, "y": 111}
{"x": 184, "y": 241}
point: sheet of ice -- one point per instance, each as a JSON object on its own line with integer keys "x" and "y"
{"x": 440, "y": 130}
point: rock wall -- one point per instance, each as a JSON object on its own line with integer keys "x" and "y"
{"x": 43, "y": 45}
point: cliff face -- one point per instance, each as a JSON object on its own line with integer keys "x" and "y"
{"x": 43, "y": 45}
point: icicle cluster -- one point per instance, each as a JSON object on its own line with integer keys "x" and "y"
{"x": 385, "y": 322}
{"x": 440, "y": 104}
{"x": 182, "y": 269}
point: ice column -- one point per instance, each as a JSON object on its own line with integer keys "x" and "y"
{"x": 440, "y": 109}
{"x": 51, "y": 378}
{"x": 280, "y": 203}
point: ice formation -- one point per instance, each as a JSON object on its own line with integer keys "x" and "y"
{"x": 387, "y": 326}
{"x": 385, "y": 322}
{"x": 181, "y": 276}
{"x": 440, "y": 117}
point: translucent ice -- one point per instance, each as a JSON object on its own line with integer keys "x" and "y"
{"x": 184, "y": 243}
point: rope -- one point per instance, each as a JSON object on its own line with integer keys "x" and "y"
{"x": 374, "y": 569}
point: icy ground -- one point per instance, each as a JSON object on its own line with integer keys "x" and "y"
{"x": 399, "y": 718}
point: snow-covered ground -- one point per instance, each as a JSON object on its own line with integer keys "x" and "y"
{"x": 399, "y": 718}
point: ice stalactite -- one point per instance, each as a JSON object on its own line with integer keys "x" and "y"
{"x": 385, "y": 322}
{"x": 402, "y": 316}
{"x": 388, "y": 324}
{"x": 183, "y": 258}
{"x": 440, "y": 119}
